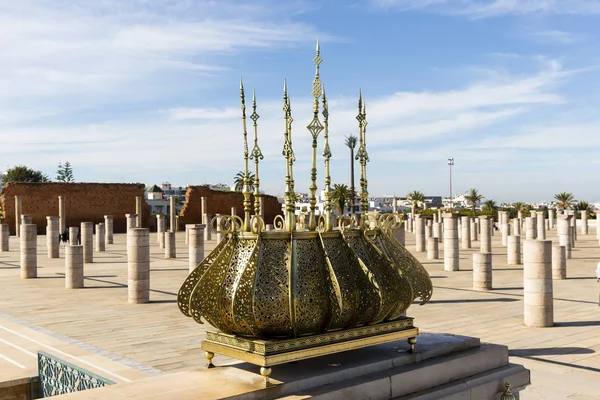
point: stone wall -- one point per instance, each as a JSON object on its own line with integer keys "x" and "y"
{"x": 85, "y": 202}
{"x": 220, "y": 202}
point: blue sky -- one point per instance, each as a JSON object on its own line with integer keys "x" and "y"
{"x": 148, "y": 90}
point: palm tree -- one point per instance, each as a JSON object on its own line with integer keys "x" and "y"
{"x": 519, "y": 206}
{"x": 340, "y": 196}
{"x": 473, "y": 197}
{"x": 490, "y": 205}
{"x": 238, "y": 181}
{"x": 417, "y": 198}
{"x": 584, "y": 206}
{"x": 564, "y": 200}
{"x": 351, "y": 143}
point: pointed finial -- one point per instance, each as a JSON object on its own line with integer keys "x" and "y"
{"x": 318, "y": 46}
{"x": 241, "y": 83}
{"x": 254, "y": 96}
{"x": 285, "y": 85}
{"x": 323, "y": 90}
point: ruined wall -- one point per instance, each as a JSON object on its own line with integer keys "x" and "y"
{"x": 85, "y": 202}
{"x": 220, "y": 202}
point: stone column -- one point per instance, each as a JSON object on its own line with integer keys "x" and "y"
{"x": 26, "y": 219}
{"x": 474, "y": 232}
{"x": 219, "y": 234}
{"x": 196, "y": 245}
{"x": 572, "y": 223}
{"x": 138, "y": 266}
{"x": 505, "y": 233}
{"x": 208, "y": 230}
{"x": 394, "y": 205}
{"x": 187, "y": 232}
{"x": 131, "y": 221}
{"x": 108, "y": 229}
{"x": 4, "y": 237}
{"x": 435, "y": 218}
{"x": 466, "y": 232}
{"x": 433, "y": 252}
{"x": 482, "y": 271}
{"x": 547, "y": 223}
{"x": 428, "y": 230}
{"x": 399, "y": 234}
{"x": 485, "y": 244}
{"x": 436, "y": 231}
{"x": 584, "y": 222}
{"x": 521, "y": 221}
{"x": 563, "y": 228}
{"x": 541, "y": 226}
{"x": 160, "y": 228}
{"x": 100, "y": 237}
{"x": 233, "y": 212}
{"x": 459, "y": 227}
{"x": 530, "y": 228}
{"x": 513, "y": 251}
{"x": 62, "y": 213}
{"x": 559, "y": 262}
{"x": 537, "y": 277}
{"x": 73, "y": 267}
{"x": 551, "y": 218}
{"x": 52, "y": 236}
{"x": 204, "y": 210}
{"x": 170, "y": 247}
{"x": 419, "y": 233}
{"x": 28, "y": 241}
{"x": 450, "y": 242}
{"x": 87, "y": 241}
{"x": 516, "y": 226}
{"x": 410, "y": 224}
{"x": 18, "y": 212}
{"x": 73, "y": 236}
{"x": 172, "y": 213}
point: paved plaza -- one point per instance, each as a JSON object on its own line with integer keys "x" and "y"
{"x": 97, "y": 329}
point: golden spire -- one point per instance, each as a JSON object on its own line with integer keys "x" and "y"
{"x": 256, "y": 155}
{"x": 315, "y": 127}
{"x": 362, "y": 154}
{"x": 288, "y": 153}
{"x": 327, "y": 156}
{"x": 246, "y": 180}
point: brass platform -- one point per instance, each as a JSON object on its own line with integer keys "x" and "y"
{"x": 267, "y": 353}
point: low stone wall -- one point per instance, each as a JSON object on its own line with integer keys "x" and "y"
{"x": 220, "y": 202}
{"x": 85, "y": 202}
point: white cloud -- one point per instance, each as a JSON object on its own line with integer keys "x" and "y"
{"x": 494, "y": 8}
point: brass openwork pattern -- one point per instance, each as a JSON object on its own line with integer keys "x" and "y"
{"x": 410, "y": 267}
{"x": 309, "y": 292}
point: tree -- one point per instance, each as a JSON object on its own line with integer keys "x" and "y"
{"x": 564, "y": 200}
{"x": 351, "y": 143}
{"x": 417, "y": 198}
{"x": 21, "y": 173}
{"x": 519, "y": 206}
{"x": 473, "y": 197}
{"x": 490, "y": 205}
{"x": 584, "y": 206}
{"x": 64, "y": 172}
{"x": 340, "y": 196}
{"x": 238, "y": 181}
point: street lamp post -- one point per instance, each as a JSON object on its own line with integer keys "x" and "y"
{"x": 450, "y": 164}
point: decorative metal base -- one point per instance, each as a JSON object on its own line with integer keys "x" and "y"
{"x": 267, "y": 353}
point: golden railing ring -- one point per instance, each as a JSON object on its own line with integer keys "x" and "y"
{"x": 226, "y": 224}
{"x": 257, "y": 224}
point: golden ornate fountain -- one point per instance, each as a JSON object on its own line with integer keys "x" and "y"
{"x": 287, "y": 294}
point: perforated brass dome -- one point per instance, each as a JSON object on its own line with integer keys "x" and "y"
{"x": 278, "y": 284}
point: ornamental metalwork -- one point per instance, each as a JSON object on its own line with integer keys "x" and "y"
{"x": 305, "y": 278}
{"x": 58, "y": 377}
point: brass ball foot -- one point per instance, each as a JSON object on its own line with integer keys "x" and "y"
{"x": 266, "y": 372}
{"x": 209, "y": 356}
{"x": 412, "y": 342}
